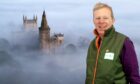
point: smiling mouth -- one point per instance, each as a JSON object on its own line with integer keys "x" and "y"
{"x": 102, "y": 26}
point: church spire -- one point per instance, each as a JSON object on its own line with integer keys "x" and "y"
{"x": 44, "y": 33}
{"x": 44, "y": 23}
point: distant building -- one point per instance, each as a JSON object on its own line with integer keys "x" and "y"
{"x": 30, "y": 23}
{"x": 49, "y": 43}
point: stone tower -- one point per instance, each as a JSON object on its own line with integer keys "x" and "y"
{"x": 30, "y": 23}
{"x": 44, "y": 34}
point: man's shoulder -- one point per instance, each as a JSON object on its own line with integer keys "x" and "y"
{"x": 92, "y": 41}
{"x": 127, "y": 40}
{"x": 121, "y": 35}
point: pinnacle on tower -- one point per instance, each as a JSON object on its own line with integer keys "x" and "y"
{"x": 44, "y": 23}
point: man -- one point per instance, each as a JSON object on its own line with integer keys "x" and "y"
{"x": 111, "y": 56}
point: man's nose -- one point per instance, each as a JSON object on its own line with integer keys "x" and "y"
{"x": 101, "y": 20}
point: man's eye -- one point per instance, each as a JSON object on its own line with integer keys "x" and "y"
{"x": 98, "y": 18}
{"x": 105, "y": 18}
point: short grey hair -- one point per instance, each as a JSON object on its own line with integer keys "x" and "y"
{"x": 103, "y": 5}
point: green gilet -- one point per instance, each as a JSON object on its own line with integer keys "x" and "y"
{"x": 109, "y": 68}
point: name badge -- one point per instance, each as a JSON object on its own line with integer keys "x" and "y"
{"x": 109, "y": 56}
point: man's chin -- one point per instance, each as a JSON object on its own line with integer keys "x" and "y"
{"x": 101, "y": 33}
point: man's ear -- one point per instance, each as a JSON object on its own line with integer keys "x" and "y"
{"x": 113, "y": 20}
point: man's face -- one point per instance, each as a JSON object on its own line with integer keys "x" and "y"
{"x": 102, "y": 20}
